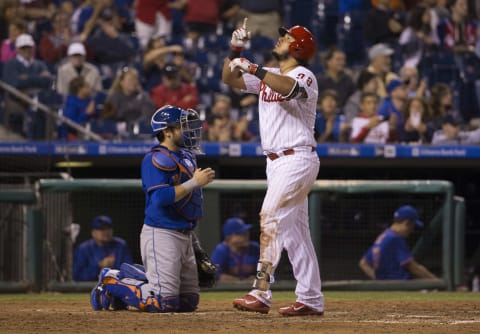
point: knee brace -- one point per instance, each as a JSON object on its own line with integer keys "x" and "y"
{"x": 264, "y": 276}
{"x": 188, "y": 302}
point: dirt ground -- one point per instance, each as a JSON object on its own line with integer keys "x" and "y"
{"x": 220, "y": 317}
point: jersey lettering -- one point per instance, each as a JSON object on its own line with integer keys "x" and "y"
{"x": 271, "y": 96}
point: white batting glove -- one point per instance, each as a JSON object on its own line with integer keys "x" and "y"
{"x": 243, "y": 65}
{"x": 240, "y": 37}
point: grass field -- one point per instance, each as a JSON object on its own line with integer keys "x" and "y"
{"x": 345, "y": 312}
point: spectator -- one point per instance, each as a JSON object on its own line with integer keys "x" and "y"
{"x": 222, "y": 127}
{"x": 28, "y": 75}
{"x": 458, "y": 32}
{"x": 451, "y": 134}
{"x": 103, "y": 250}
{"x": 109, "y": 45}
{"x": 380, "y": 65}
{"x": 415, "y": 87}
{"x": 382, "y": 24}
{"x": 76, "y": 66}
{"x": 126, "y": 100}
{"x": 416, "y": 113}
{"x": 264, "y": 17}
{"x": 79, "y": 107}
{"x": 441, "y": 105}
{"x": 15, "y": 29}
{"x": 173, "y": 91}
{"x": 86, "y": 17}
{"x": 237, "y": 256}
{"x": 10, "y": 10}
{"x": 201, "y": 17}
{"x": 389, "y": 258}
{"x": 53, "y": 46}
{"x": 418, "y": 37}
{"x": 335, "y": 76}
{"x": 153, "y": 18}
{"x": 366, "y": 83}
{"x": 392, "y": 109}
{"x": 369, "y": 127}
{"x": 330, "y": 125}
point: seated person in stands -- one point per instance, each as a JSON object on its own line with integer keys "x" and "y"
{"x": 366, "y": 83}
{"x": 76, "y": 66}
{"x": 53, "y": 45}
{"x": 389, "y": 258}
{"x": 330, "y": 125}
{"x": 451, "y": 134}
{"x": 173, "y": 91}
{"x": 109, "y": 45}
{"x": 28, "y": 75}
{"x": 15, "y": 29}
{"x": 335, "y": 76}
{"x": 368, "y": 126}
{"x": 416, "y": 113}
{"x": 392, "y": 108}
{"x": 79, "y": 107}
{"x": 222, "y": 127}
{"x": 126, "y": 100}
{"x": 237, "y": 256}
{"x": 103, "y": 250}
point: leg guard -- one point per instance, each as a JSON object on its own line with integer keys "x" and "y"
{"x": 188, "y": 302}
{"x": 99, "y": 297}
{"x": 263, "y": 277}
{"x": 130, "y": 292}
{"x": 135, "y": 271}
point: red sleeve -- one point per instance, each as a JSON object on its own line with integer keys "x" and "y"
{"x": 192, "y": 102}
{"x": 158, "y": 96}
{"x": 49, "y": 53}
{"x": 361, "y": 135}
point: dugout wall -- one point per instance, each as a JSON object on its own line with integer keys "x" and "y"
{"x": 345, "y": 218}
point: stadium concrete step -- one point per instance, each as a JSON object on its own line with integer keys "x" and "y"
{"x": 7, "y": 135}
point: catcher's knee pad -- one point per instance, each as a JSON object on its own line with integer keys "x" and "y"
{"x": 188, "y": 302}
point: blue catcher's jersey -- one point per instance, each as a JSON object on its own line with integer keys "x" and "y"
{"x": 162, "y": 170}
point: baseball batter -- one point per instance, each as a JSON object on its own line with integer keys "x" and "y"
{"x": 287, "y": 106}
{"x": 173, "y": 204}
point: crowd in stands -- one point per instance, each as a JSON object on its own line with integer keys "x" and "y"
{"x": 387, "y": 71}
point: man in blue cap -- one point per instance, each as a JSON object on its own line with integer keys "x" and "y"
{"x": 101, "y": 251}
{"x": 389, "y": 258}
{"x": 236, "y": 257}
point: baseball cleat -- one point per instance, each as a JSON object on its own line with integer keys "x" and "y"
{"x": 250, "y": 304}
{"x": 98, "y": 298}
{"x": 298, "y": 309}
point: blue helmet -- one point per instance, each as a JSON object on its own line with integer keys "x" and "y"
{"x": 188, "y": 120}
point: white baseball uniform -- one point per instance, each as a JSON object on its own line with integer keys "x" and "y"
{"x": 286, "y": 125}
{"x": 360, "y": 133}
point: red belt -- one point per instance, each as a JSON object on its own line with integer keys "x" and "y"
{"x": 289, "y": 151}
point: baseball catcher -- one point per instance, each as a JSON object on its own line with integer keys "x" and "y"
{"x": 172, "y": 258}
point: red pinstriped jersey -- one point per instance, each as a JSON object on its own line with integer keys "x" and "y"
{"x": 286, "y": 123}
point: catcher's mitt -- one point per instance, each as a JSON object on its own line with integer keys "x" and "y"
{"x": 207, "y": 271}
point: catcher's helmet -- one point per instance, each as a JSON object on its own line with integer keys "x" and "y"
{"x": 304, "y": 46}
{"x": 188, "y": 120}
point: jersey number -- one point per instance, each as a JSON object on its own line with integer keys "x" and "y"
{"x": 309, "y": 79}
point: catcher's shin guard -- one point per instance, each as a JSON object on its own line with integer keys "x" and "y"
{"x": 99, "y": 298}
{"x": 134, "y": 271}
{"x": 131, "y": 294}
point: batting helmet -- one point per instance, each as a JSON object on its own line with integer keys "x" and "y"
{"x": 304, "y": 46}
{"x": 188, "y": 120}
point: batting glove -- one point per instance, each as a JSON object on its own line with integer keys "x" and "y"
{"x": 240, "y": 37}
{"x": 243, "y": 65}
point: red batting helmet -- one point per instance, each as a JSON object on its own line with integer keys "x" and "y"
{"x": 304, "y": 46}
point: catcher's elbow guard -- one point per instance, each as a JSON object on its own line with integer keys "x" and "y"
{"x": 264, "y": 276}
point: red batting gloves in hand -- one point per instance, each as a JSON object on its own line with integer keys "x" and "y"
{"x": 243, "y": 65}
{"x": 240, "y": 37}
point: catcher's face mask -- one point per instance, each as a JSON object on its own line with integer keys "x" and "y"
{"x": 191, "y": 126}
